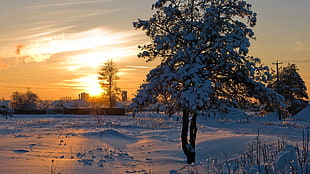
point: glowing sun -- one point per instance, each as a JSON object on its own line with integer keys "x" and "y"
{"x": 91, "y": 85}
{"x": 94, "y": 90}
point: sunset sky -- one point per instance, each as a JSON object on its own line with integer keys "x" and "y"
{"x": 55, "y": 48}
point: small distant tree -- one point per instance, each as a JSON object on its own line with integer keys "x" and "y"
{"x": 108, "y": 77}
{"x": 24, "y": 101}
{"x": 5, "y": 111}
{"x": 203, "y": 47}
{"x": 290, "y": 85}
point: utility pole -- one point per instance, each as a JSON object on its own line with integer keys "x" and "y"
{"x": 278, "y": 87}
{"x": 277, "y": 70}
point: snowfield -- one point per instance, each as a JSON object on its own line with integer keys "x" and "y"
{"x": 147, "y": 144}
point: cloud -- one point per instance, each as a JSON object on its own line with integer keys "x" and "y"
{"x": 301, "y": 46}
{"x": 3, "y": 65}
{"x": 302, "y": 61}
{"x": 69, "y": 4}
{"x": 42, "y": 49}
{"x": 138, "y": 67}
{"x": 89, "y": 84}
{"x": 18, "y": 49}
{"x": 6, "y": 63}
{"x": 127, "y": 69}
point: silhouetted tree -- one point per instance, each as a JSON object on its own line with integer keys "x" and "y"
{"x": 203, "y": 47}
{"x": 5, "y": 111}
{"x": 290, "y": 85}
{"x": 108, "y": 77}
{"x": 24, "y": 101}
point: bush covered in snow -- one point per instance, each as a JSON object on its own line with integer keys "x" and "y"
{"x": 257, "y": 158}
{"x": 5, "y": 111}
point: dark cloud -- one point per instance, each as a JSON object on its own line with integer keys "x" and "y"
{"x": 18, "y": 49}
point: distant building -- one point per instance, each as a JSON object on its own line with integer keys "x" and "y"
{"x": 124, "y": 96}
{"x": 84, "y": 96}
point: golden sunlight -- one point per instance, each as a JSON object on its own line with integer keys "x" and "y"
{"x": 94, "y": 90}
{"x": 81, "y": 53}
{"x": 43, "y": 48}
{"x": 90, "y": 85}
{"x": 92, "y": 59}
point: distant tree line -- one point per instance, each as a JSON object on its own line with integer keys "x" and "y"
{"x": 29, "y": 103}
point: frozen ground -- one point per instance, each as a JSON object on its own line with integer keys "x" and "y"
{"x": 147, "y": 144}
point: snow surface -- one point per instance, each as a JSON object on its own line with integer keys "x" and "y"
{"x": 148, "y": 143}
{"x": 303, "y": 114}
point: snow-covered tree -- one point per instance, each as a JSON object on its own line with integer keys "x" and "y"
{"x": 108, "y": 77}
{"x": 289, "y": 84}
{"x": 203, "y": 47}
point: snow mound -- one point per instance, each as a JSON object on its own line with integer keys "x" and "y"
{"x": 231, "y": 114}
{"x": 130, "y": 127}
{"x": 114, "y": 134}
{"x": 112, "y": 137}
{"x": 236, "y": 114}
{"x": 303, "y": 114}
{"x": 109, "y": 133}
{"x": 20, "y": 151}
{"x": 8, "y": 131}
{"x": 286, "y": 159}
{"x": 270, "y": 117}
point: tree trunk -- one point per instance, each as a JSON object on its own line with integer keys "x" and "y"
{"x": 188, "y": 147}
{"x": 110, "y": 91}
{"x": 110, "y": 101}
{"x": 192, "y": 134}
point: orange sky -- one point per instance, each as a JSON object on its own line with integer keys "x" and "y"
{"x": 55, "y": 47}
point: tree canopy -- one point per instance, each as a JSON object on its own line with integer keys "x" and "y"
{"x": 203, "y": 47}
{"x": 289, "y": 84}
{"x": 24, "y": 101}
{"x": 108, "y": 77}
